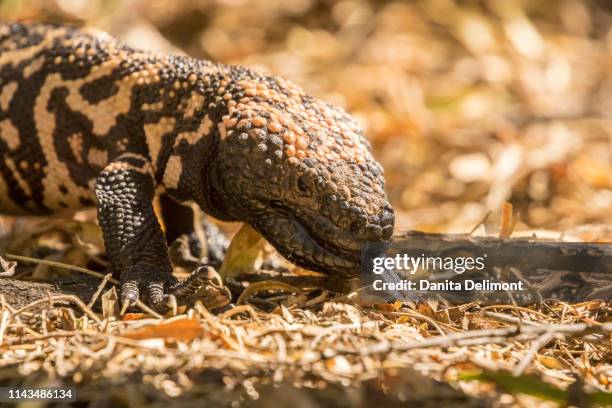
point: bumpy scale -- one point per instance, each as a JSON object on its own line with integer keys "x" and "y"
{"x": 86, "y": 120}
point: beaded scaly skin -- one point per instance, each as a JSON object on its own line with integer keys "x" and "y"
{"x": 88, "y": 121}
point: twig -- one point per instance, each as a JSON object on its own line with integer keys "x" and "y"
{"x": 481, "y": 222}
{"x": 535, "y": 347}
{"x": 339, "y": 328}
{"x": 99, "y": 290}
{"x": 266, "y": 285}
{"x": 239, "y": 309}
{"x": 86, "y": 271}
{"x": 508, "y": 318}
{"x": 420, "y": 316}
{"x": 38, "y": 337}
{"x": 57, "y": 265}
{"x": 53, "y": 299}
{"x": 4, "y": 321}
{"x": 515, "y": 307}
{"x": 501, "y": 335}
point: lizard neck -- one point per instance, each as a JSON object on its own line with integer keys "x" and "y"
{"x": 186, "y": 161}
{"x": 198, "y": 181}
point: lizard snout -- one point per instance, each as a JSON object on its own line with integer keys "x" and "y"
{"x": 387, "y": 221}
{"x": 378, "y": 227}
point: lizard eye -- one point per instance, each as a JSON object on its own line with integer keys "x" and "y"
{"x": 303, "y": 186}
{"x": 276, "y": 204}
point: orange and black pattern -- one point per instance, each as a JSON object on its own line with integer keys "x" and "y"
{"x": 86, "y": 120}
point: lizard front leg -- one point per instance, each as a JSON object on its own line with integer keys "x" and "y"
{"x": 133, "y": 238}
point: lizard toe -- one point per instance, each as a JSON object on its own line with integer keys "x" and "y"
{"x": 154, "y": 292}
{"x": 129, "y": 294}
{"x": 167, "y": 303}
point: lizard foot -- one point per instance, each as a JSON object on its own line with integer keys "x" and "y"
{"x": 152, "y": 286}
{"x": 203, "y": 284}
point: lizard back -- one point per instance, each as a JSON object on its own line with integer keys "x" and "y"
{"x": 72, "y": 100}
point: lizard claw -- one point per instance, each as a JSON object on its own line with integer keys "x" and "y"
{"x": 203, "y": 284}
{"x": 165, "y": 304}
{"x": 129, "y": 295}
{"x": 153, "y": 289}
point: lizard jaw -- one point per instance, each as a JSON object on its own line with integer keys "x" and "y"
{"x": 292, "y": 240}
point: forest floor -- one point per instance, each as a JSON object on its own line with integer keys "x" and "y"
{"x": 489, "y": 117}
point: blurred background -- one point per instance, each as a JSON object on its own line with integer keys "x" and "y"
{"x": 468, "y": 104}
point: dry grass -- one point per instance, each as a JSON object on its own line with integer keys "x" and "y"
{"x": 315, "y": 340}
{"x": 325, "y": 342}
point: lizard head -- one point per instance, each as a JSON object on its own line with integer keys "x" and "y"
{"x": 301, "y": 172}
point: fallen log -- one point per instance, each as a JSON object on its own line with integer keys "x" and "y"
{"x": 551, "y": 269}
{"x": 565, "y": 271}
{"x": 18, "y": 293}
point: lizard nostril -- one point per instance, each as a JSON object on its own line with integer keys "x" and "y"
{"x": 358, "y": 226}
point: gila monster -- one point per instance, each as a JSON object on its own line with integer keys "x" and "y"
{"x": 88, "y": 121}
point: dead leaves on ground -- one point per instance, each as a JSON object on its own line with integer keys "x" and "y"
{"x": 183, "y": 329}
{"x": 245, "y": 253}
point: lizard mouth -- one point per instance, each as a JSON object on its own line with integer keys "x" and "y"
{"x": 299, "y": 244}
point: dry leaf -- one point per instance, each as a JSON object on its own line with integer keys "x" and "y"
{"x": 110, "y": 303}
{"x": 550, "y": 362}
{"x": 404, "y": 319}
{"x": 176, "y": 330}
{"x": 67, "y": 318}
{"x": 508, "y": 222}
{"x": 8, "y": 267}
{"x": 385, "y": 307}
{"x": 427, "y": 308}
{"x": 133, "y": 316}
{"x": 245, "y": 253}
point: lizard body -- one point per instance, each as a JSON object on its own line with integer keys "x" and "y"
{"x": 86, "y": 120}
